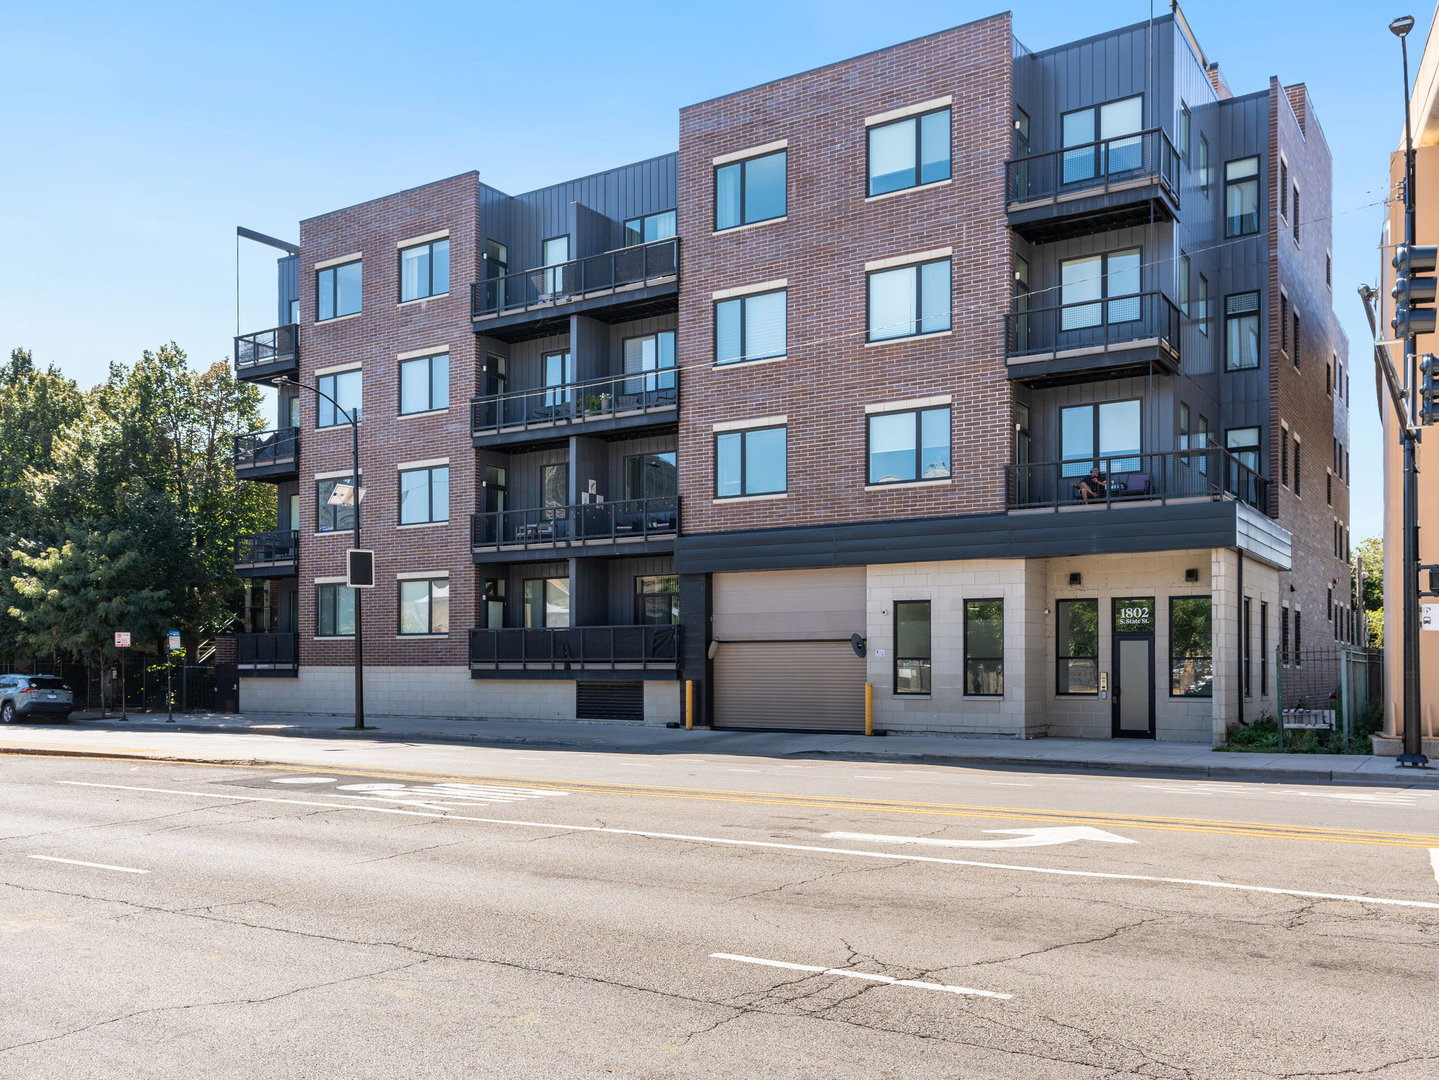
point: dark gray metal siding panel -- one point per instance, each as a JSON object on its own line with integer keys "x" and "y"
{"x": 287, "y": 272}
{"x": 993, "y": 536}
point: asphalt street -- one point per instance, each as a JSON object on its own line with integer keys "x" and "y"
{"x": 328, "y": 909}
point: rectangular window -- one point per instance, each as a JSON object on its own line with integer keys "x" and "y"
{"x": 425, "y": 384}
{"x": 1248, "y": 651}
{"x": 332, "y": 518}
{"x": 1296, "y": 215}
{"x": 1329, "y": 379}
{"x": 425, "y": 270}
{"x": 1184, "y": 283}
{"x": 294, "y": 311}
{"x": 657, "y": 600}
{"x": 1330, "y": 604}
{"x": 1107, "y": 435}
{"x": 909, "y": 152}
{"x": 1085, "y": 282}
{"x": 1263, "y": 648}
{"x": 1295, "y": 351}
{"x": 984, "y": 648}
{"x": 554, "y": 486}
{"x": 424, "y": 495}
{"x": 425, "y": 606}
{"x": 909, "y": 300}
{"x": 337, "y": 290}
{"x": 1095, "y": 143}
{"x": 751, "y": 190}
{"x": 1329, "y": 490}
{"x": 1284, "y": 657}
{"x": 651, "y": 360}
{"x": 1184, "y": 121}
{"x": 1283, "y": 323}
{"x": 1284, "y": 456}
{"x": 1296, "y": 466}
{"x": 334, "y": 611}
{"x": 546, "y": 602}
{"x": 911, "y": 647}
{"x": 559, "y": 374}
{"x": 1202, "y": 166}
{"x": 650, "y": 228}
{"x": 554, "y": 253}
{"x": 1077, "y": 647}
{"x": 906, "y": 446}
{"x": 751, "y": 462}
{"x": 1283, "y": 188}
{"x": 751, "y": 327}
{"x": 1201, "y": 442}
{"x": 1191, "y": 649}
{"x": 344, "y": 388}
{"x": 1241, "y": 197}
{"x": 1184, "y": 429}
{"x": 651, "y": 476}
{"x": 1241, "y": 331}
{"x": 1299, "y": 637}
{"x": 1201, "y": 305}
{"x": 1243, "y": 443}
{"x": 1328, "y": 271}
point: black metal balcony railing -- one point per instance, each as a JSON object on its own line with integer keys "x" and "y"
{"x": 267, "y": 449}
{"x": 561, "y": 283}
{"x": 278, "y": 549}
{"x": 1096, "y": 167}
{"x": 1138, "y": 477}
{"x": 597, "y": 399}
{"x": 560, "y": 526}
{"x": 264, "y": 348}
{"x": 576, "y": 646}
{"x": 1093, "y": 326}
{"x": 268, "y": 650}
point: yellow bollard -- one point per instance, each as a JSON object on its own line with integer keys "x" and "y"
{"x": 689, "y": 704}
{"x": 869, "y": 708}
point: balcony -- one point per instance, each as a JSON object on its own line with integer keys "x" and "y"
{"x": 267, "y": 354}
{"x": 627, "y": 283}
{"x": 268, "y": 654}
{"x": 1136, "y": 479}
{"x": 628, "y": 403}
{"x": 635, "y": 652}
{"x": 268, "y": 455}
{"x": 267, "y": 554}
{"x": 1098, "y": 338}
{"x": 633, "y": 526}
{"x": 1104, "y": 185}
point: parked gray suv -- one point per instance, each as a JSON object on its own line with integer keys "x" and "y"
{"x": 31, "y": 697}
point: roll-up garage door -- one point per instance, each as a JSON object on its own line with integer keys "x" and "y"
{"x": 796, "y": 685}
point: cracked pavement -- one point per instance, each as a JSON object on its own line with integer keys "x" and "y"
{"x": 274, "y": 937}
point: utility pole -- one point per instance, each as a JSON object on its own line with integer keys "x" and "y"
{"x": 1410, "y": 320}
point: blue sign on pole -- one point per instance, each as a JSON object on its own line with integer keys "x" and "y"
{"x": 175, "y": 645}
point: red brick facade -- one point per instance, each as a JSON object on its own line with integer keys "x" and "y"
{"x": 375, "y": 337}
{"x": 820, "y": 248}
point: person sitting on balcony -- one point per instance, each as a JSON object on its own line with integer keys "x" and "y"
{"x": 1092, "y": 486}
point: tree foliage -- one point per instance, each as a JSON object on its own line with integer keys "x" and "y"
{"x": 119, "y": 505}
{"x": 1369, "y": 553}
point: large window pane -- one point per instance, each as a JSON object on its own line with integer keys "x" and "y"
{"x": 414, "y": 496}
{"x": 1119, "y": 118}
{"x": 934, "y": 444}
{"x": 415, "y": 272}
{"x": 1077, "y": 645}
{"x": 911, "y": 647}
{"x": 1077, "y": 130}
{"x": 729, "y": 345}
{"x": 934, "y": 297}
{"x": 765, "y": 461}
{"x": 439, "y": 268}
{"x": 440, "y": 382}
{"x": 1241, "y": 197}
{"x": 934, "y": 147}
{"x": 984, "y": 647}
{"x": 1191, "y": 658}
{"x": 557, "y": 602}
{"x": 1241, "y": 331}
{"x": 891, "y": 157}
{"x": 347, "y": 289}
{"x": 424, "y": 384}
{"x": 727, "y": 196}
{"x": 891, "y": 448}
{"x": 892, "y": 304}
{"x": 728, "y": 457}
{"x": 765, "y": 325}
{"x": 344, "y": 388}
{"x": 1122, "y": 279}
{"x": 764, "y": 187}
{"x": 414, "y": 607}
{"x": 1076, "y": 438}
{"x": 1080, "y": 281}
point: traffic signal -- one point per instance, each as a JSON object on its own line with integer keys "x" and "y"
{"x": 1413, "y": 294}
{"x": 1428, "y": 389}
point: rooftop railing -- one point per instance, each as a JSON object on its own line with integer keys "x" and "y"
{"x": 597, "y": 399}
{"x": 1095, "y": 167}
{"x": 577, "y": 279}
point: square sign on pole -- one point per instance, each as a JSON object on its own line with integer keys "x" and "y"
{"x": 122, "y": 639}
{"x": 359, "y": 568}
{"x": 175, "y": 645}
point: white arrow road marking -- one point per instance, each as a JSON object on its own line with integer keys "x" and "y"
{"x": 96, "y": 865}
{"x": 774, "y": 845}
{"x": 866, "y": 976}
{"x": 1064, "y": 834}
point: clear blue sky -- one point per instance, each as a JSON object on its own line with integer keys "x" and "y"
{"x": 138, "y": 135}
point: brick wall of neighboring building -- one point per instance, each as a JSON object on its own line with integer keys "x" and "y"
{"x": 1300, "y": 399}
{"x": 821, "y": 247}
{"x": 383, "y": 330}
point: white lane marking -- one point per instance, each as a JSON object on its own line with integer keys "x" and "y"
{"x": 1434, "y": 862}
{"x": 1001, "y": 783}
{"x": 96, "y": 865}
{"x": 774, "y": 845}
{"x": 1064, "y": 834}
{"x": 303, "y": 780}
{"x": 1280, "y": 794}
{"x": 866, "y": 976}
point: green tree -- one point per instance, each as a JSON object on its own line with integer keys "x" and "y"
{"x": 1369, "y": 554}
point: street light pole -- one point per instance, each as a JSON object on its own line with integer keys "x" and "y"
{"x": 353, "y": 420}
{"x": 1413, "y": 754}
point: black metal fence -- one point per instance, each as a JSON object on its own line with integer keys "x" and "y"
{"x": 1212, "y": 472}
{"x": 1093, "y": 326}
{"x": 266, "y": 450}
{"x": 575, "y": 646}
{"x": 276, "y": 550}
{"x": 278, "y": 345}
{"x": 134, "y": 682}
{"x": 1099, "y": 166}
{"x": 597, "y": 399}
{"x": 1327, "y": 689}
{"x": 547, "y": 286}
{"x": 279, "y": 652}
{"x": 559, "y": 526}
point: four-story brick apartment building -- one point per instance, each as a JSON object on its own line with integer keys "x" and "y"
{"x": 999, "y": 380}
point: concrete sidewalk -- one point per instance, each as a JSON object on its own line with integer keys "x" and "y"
{"x": 1135, "y": 757}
